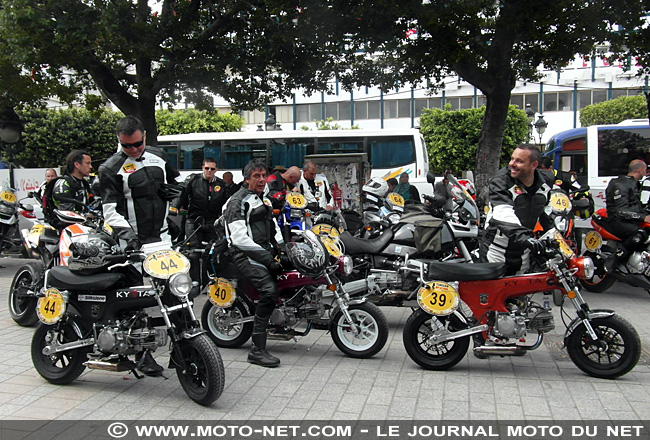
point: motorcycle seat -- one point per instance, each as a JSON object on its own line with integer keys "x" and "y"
{"x": 360, "y": 246}
{"x": 62, "y": 278}
{"x": 464, "y": 272}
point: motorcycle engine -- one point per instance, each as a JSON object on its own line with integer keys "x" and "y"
{"x": 509, "y": 325}
{"x": 284, "y": 316}
{"x": 129, "y": 336}
{"x": 639, "y": 262}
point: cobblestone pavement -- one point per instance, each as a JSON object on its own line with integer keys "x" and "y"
{"x": 317, "y": 382}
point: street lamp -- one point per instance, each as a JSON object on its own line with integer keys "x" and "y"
{"x": 540, "y": 127}
{"x": 269, "y": 124}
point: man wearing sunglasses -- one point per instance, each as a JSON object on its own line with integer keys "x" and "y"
{"x": 137, "y": 183}
{"x": 204, "y": 194}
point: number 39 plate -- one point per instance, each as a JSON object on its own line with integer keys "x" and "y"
{"x": 222, "y": 293}
{"x": 438, "y": 298}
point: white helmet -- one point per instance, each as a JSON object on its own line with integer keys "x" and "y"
{"x": 376, "y": 186}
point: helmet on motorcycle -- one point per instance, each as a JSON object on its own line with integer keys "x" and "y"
{"x": 308, "y": 254}
{"x": 583, "y": 207}
{"x": 376, "y": 186}
{"x": 88, "y": 257}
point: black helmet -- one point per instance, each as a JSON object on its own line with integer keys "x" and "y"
{"x": 308, "y": 254}
{"x": 88, "y": 257}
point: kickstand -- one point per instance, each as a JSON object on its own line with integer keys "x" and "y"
{"x": 136, "y": 374}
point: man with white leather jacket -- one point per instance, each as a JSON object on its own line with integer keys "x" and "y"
{"x": 517, "y": 196}
{"x": 254, "y": 238}
{"x": 137, "y": 183}
{"x": 625, "y": 211}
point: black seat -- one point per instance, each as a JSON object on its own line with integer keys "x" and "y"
{"x": 464, "y": 271}
{"x": 62, "y": 278}
{"x": 359, "y": 246}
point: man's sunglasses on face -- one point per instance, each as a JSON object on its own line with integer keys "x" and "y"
{"x": 209, "y": 169}
{"x": 133, "y": 145}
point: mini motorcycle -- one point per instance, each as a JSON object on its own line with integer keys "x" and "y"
{"x": 50, "y": 248}
{"x": 10, "y": 209}
{"x": 309, "y": 294}
{"x": 295, "y": 215}
{"x": 98, "y": 320}
{"x": 457, "y": 302}
{"x": 602, "y": 245}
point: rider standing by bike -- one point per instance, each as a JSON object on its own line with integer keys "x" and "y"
{"x": 254, "y": 237}
{"x": 517, "y": 196}
{"x": 625, "y": 212}
{"x": 71, "y": 192}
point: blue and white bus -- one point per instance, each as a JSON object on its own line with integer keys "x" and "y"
{"x": 599, "y": 152}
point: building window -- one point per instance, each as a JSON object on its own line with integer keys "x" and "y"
{"x": 618, "y": 92}
{"x": 565, "y": 101}
{"x": 584, "y": 99}
{"x": 599, "y": 96}
{"x": 404, "y": 108}
{"x": 390, "y": 109}
{"x": 344, "y": 111}
{"x": 361, "y": 110}
{"x": 315, "y": 112}
{"x": 302, "y": 113}
{"x": 373, "y": 110}
{"x": 550, "y": 102}
{"x": 533, "y": 100}
{"x": 420, "y": 104}
{"x": 467, "y": 102}
{"x": 435, "y": 102}
{"x": 284, "y": 113}
{"x": 331, "y": 111}
{"x": 517, "y": 100}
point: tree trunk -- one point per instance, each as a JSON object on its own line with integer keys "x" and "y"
{"x": 488, "y": 152}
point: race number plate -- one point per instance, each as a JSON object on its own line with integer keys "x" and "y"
{"x": 222, "y": 293}
{"x": 165, "y": 263}
{"x": 438, "y": 298}
{"x": 565, "y": 248}
{"x": 296, "y": 200}
{"x": 560, "y": 203}
{"x": 396, "y": 199}
{"x": 593, "y": 240}
{"x": 51, "y": 307}
{"x": 329, "y": 236}
{"x": 8, "y": 196}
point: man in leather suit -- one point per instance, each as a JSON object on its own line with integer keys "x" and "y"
{"x": 278, "y": 183}
{"x": 254, "y": 237}
{"x": 135, "y": 187}
{"x": 204, "y": 194}
{"x": 71, "y": 192}
{"x": 315, "y": 187}
{"x": 625, "y": 212}
{"x": 517, "y": 196}
{"x": 135, "y": 198}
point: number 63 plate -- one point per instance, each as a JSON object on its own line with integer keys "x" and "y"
{"x": 438, "y": 298}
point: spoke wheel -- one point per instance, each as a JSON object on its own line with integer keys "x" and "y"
{"x": 215, "y": 320}
{"x": 424, "y": 352}
{"x": 614, "y": 354}
{"x": 372, "y": 328}
{"x": 203, "y": 376}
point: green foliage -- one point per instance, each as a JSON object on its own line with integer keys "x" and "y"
{"x": 51, "y": 134}
{"x": 452, "y": 136}
{"x": 196, "y": 121}
{"x": 327, "y": 125}
{"x": 614, "y": 111}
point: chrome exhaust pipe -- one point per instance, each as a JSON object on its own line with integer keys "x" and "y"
{"x": 496, "y": 350}
{"x": 110, "y": 366}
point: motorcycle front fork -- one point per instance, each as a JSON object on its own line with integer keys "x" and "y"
{"x": 581, "y": 306}
{"x": 342, "y": 301}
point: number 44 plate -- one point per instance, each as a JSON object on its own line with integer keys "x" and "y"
{"x": 51, "y": 307}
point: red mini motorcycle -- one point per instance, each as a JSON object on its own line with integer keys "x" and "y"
{"x": 474, "y": 300}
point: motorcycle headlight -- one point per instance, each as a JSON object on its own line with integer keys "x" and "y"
{"x": 561, "y": 224}
{"x": 295, "y": 213}
{"x": 180, "y": 284}
{"x": 586, "y": 268}
{"x": 347, "y": 265}
{"x": 7, "y": 210}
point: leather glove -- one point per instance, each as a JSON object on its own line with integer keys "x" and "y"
{"x": 275, "y": 267}
{"x": 536, "y": 247}
{"x": 133, "y": 245}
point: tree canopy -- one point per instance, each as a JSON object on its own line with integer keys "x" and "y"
{"x": 137, "y": 51}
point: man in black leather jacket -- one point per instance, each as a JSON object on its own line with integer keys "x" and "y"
{"x": 625, "y": 211}
{"x": 517, "y": 196}
{"x": 71, "y": 192}
{"x": 254, "y": 238}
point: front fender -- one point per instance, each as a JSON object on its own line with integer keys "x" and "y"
{"x": 593, "y": 314}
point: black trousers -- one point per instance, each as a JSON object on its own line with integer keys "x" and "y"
{"x": 260, "y": 277}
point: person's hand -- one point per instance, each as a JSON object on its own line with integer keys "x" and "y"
{"x": 535, "y": 246}
{"x": 646, "y": 219}
{"x": 133, "y": 245}
{"x": 275, "y": 267}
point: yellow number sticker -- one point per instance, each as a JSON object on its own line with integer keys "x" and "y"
{"x": 296, "y": 200}
{"x": 395, "y": 199}
{"x": 8, "y": 196}
{"x": 593, "y": 240}
{"x": 222, "y": 293}
{"x": 325, "y": 230}
{"x": 560, "y": 202}
{"x": 565, "y": 248}
{"x": 51, "y": 307}
{"x": 163, "y": 264}
{"x": 438, "y": 298}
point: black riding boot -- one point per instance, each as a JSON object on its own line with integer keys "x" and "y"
{"x": 258, "y": 354}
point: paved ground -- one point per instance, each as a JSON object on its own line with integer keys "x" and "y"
{"x": 316, "y": 382}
